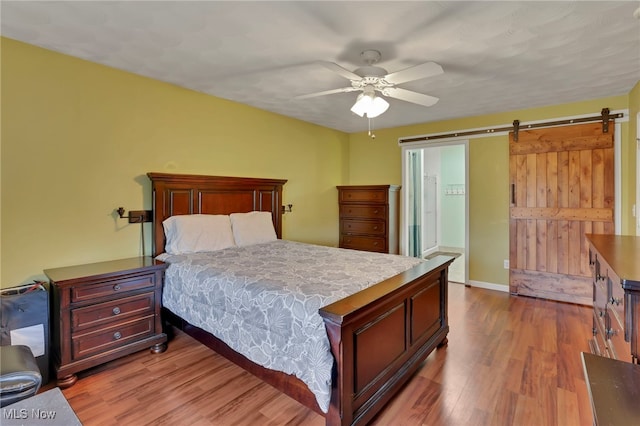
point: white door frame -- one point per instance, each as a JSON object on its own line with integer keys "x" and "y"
{"x": 637, "y": 205}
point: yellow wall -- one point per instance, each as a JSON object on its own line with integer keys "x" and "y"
{"x": 378, "y": 161}
{"x": 78, "y": 139}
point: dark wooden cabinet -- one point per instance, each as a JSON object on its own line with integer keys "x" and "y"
{"x": 613, "y": 389}
{"x": 615, "y": 266}
{"x": 102, "y": 311}
{"x": 369, "y": 217}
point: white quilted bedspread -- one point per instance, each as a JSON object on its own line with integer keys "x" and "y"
{"x": 263, "y": 300}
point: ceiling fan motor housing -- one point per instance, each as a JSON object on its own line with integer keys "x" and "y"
{"x": 371, "y": 71}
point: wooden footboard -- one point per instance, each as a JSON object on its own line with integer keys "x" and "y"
{"x": 380, "y": 336}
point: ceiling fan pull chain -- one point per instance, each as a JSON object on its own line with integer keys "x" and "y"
{"x": 371, "y": 134}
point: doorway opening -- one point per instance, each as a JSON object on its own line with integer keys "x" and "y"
{"x": 435, "y": 205}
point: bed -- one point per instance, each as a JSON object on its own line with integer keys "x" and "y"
{"x": 377, "y": 336}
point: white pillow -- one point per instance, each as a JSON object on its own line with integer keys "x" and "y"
{"x": 252, "y": 228}
{"x": 197, "y": 233}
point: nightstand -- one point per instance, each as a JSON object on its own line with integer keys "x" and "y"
{"x": 103, "y": 311}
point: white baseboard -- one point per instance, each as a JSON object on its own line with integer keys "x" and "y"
{"x": 489, "y": 286}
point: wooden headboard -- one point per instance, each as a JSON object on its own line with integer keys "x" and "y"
{"x": 175, "y": 194}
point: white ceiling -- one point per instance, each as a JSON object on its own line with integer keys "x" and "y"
{"x": 497, "y": 55}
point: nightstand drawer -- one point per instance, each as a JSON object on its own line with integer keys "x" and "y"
{"x": 359, "y": 242}
{"x": 364, "y": 212}
{"x": 116, "y": 310}
{"x": 374, "y": 227}
{"x": 102, "y": 340}
{"x": 110, "y": 288}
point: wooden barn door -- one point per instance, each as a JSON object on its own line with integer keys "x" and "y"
{"x": 562, "y": 186}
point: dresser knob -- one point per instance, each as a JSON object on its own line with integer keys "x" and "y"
{"x": 116, "y": 287}
{"x": 116, "y": 311}
{"x": 117, "y": 335}
{"x": 375, "y": 228}
{"x": 375, "y": 243}
{"x": 375, "y": 211}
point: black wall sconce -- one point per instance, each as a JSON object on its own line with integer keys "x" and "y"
{"x": 287, "y": 208}
{"x": 137, "y": 216}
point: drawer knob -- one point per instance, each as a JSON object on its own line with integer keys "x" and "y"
{"x": 117, "y": 335}
{"x": 376, "y": 211}
{"x": 375, "y": 243}
{"x": 375, "y": 228}
{"x": 116, "y": 311}
{"x": 116, "y": 287}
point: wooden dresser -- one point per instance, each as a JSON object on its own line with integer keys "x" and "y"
{"x": 615, "y": 265}
{"x": 369, "y": 217}
{"x": 102, "y": 311}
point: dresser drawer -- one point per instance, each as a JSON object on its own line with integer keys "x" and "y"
{"x": 600, "y": 298}
{"x": 111, "y": 288}
{"x": 618, "y": 348}
{"x": 598, "y": 344}
{"x": 360, "y": 242}
{"x": 372, "y": 195}
{"x": 364, "y": 212}
{"x": 114, "y": 336}
{"x": 115, "y": 310}
{"x": 350, "y": 226}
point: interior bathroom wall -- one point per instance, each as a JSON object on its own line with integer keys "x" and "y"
{"x": 452, "y": 190}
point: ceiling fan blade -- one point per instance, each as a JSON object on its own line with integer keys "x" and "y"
{"x": 409, "y": 96}
{"x": 341, "y": 71}
{"x": 428, "y": 69}
{"x": 326, "y": 92}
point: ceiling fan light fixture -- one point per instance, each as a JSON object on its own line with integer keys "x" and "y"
{"x": 363, "y": 102}
{"x": 378, "y": 106}
{"x": 370, "y": 104}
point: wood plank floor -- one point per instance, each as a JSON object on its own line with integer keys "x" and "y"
{"x": 510, "y": 361}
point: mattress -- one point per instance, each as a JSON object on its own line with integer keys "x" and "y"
{"x": 263, "y": 300}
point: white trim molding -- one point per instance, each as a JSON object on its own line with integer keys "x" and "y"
{"x": 489, "y": 286}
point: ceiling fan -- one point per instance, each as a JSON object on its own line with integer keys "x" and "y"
{"x": 371, "y": 79}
